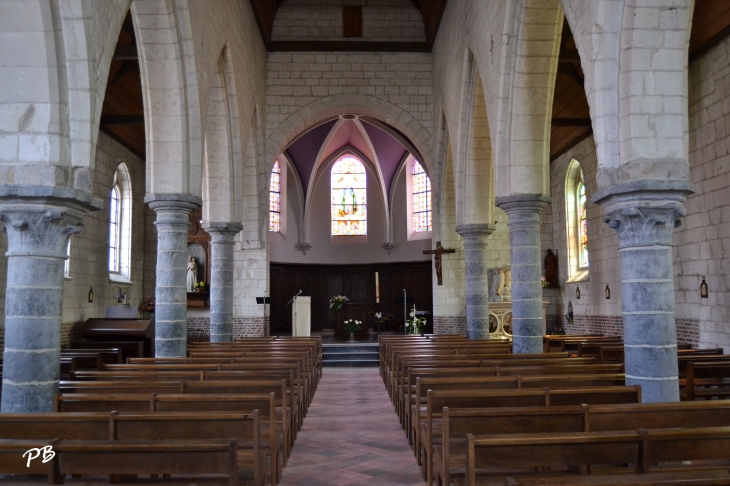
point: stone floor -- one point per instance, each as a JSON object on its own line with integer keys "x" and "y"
{"x": 351, "y": 436}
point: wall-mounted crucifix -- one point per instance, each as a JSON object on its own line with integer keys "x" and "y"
{"x": 440, "y": 250}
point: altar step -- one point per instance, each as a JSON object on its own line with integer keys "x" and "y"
{"x": 359, "y": 355}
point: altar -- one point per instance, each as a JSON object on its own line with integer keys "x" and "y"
{"x": 358, "y": 312}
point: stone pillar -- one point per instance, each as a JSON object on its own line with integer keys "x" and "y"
{"x": 221, "y": 280}
{"x": 644, "y": 215}
{"x": 524, "y": 233}
{"x": 171, "y": 299}
{"x": 38, "y": 229}
{"x": 474, "y": 238}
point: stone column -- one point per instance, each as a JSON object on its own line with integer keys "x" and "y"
{"x": 221, "y": 280}
{"x": 524, "y": 233}
{"x": 171, "y": 300}
{"x": 39, "y": 221}
{"x": 644, "y": 215}
{"x": 474, "y": 238}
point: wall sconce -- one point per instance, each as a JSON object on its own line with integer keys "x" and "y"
{"x": 91, "y": 294}
{"x": 704, "y": 290}
{"x": 608, "y": 292}
{"x": 577, "y": 292}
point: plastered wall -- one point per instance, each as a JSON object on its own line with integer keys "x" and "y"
{"x": 324, "y": 250}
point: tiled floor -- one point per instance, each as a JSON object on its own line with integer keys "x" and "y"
{"x": 351, "y": 436}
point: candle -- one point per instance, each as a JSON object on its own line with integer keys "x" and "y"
{"x": 377, "y": 289}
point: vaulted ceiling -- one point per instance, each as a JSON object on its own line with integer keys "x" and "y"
{"x": 431, "y": 12}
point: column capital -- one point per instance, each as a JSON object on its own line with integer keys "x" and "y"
{"x": 173, "y": 202}
{"x": 39, "y": 219}
{"x": 644, "y": 213}
{"x": 222, "y": 231}
{"x": 522, "y": 203}
{"x": 478, "y": 229}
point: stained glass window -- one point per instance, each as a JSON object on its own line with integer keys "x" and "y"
{"x": 349, "y": 205}
{"x": 115, "y": 219}
{"x": 275, "y": 198}
{"x": 421, "y": 198}
{"x": 582, "y": 224}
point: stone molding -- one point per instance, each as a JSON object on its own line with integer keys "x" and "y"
{"x": 522, "y": 203}
{"x": 475, "y": 235}
{"x": 645, "y": 213}
{"x": 173, "y": 202}
{"x": 222, "y": 232}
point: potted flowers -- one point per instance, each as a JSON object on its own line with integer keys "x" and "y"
{"x": 352, "y": 325}
{"x": 337, "y": 302}
{"x": 415, "y": 324}
{"x": 200, "y": 287}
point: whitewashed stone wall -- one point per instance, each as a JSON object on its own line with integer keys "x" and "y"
{"x": 90, "y": 248}
{"x": 295, "y": 80}
{"x": 703, "y": 242}
{"x": 383, "y": 20}
{"x": 3, "y": 285}
{"x": 602, "y": 244}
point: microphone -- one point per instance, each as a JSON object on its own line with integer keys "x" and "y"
{"x": 300, "y": 293}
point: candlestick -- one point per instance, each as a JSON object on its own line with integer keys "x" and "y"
{"x": 377, "y": 289}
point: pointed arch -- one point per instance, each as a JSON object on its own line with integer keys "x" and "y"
{"x": 120, "y": 224}
{"x": 172, "y": 109}
{"x": 474, "y": 173}
{"x": 576, "y": 222}
{"x": 222, "y": 172}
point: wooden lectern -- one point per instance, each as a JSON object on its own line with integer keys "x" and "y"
{"x": 301, "y": 321}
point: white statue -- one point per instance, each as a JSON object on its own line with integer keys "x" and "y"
{"x": 192, "y": 274}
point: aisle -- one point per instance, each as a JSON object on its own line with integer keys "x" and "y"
{"x": 351, "y": 436}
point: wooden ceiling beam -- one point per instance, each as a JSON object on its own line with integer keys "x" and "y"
{"x": 123, "y": 53}
{"x": 570, "y": 122}
{"x": 569, "y": 55}
{"x": 109, "y": 120}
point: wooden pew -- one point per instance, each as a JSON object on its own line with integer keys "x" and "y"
{"x": 709, "y": 477}
{"x": 439, "y": 399}
{"x": 707, "y": 380}
{"x": 13, "y": 462}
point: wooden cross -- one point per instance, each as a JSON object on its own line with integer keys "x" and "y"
{"x": 440, "y": 250}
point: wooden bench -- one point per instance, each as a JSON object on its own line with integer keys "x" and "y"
{"x": 439, "y": 399}
{"x": 709, "y": 477}
{"x": 707, "y": 380}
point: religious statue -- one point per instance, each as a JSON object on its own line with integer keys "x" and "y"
{"x": 551, "y": 268}
{"x": 192, "y": 274}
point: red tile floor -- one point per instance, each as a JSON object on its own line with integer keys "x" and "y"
{"x": 351, "y": 436}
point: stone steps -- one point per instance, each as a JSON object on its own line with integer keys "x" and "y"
{"x": 356, "y": 355}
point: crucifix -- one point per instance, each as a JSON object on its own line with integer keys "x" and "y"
{"x": 440, "y": 250}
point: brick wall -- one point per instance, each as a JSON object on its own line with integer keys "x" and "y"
{"x": 449, "y": 325}
{"x": 199, "y": 328}
{"x": 688, "y": 330}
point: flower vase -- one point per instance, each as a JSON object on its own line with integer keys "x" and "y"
{"x": 352, "y": 336}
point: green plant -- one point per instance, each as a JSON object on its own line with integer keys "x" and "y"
{"x": 337, "y": 302}
{"x": 415, "y": 325}
{"x": 379, "y": 318}
{"x": 544, "y": 282}
{"x": 352, "y": 325}
{"x": 201, "y": 285}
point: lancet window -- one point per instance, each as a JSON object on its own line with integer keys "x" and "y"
{"x": 348, "y": 183}
{"x": 421, "y": 185}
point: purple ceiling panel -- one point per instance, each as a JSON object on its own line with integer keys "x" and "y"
{"x": 389, "y": 151}
{"x": 303, "y": 152}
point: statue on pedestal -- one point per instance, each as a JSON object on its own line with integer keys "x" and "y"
{"x": 192, "y": 274}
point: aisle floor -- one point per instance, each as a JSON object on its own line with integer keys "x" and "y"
{"x": 351, "y": 436}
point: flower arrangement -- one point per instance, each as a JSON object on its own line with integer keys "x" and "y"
{"x": 337, "y": 302}
{"x": 544, "y": 282}
{"x": 149, "y": 305}
{"x": 415, "y": 325}
{"x": 201, "y": 286}
{"x": 352, "y": 325}
{"x": 379, "y": 318}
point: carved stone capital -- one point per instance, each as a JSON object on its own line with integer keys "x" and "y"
{"x": 173, "y": 202}
{"x": 40, "y": 224}
{"x": 475, "y": 236}
{"x": 523, "y": 208}
{"x": 644, "y": 214}
{"x": 222, "y": 232}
